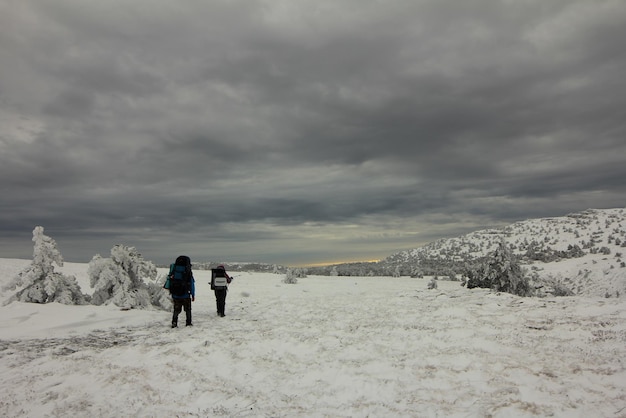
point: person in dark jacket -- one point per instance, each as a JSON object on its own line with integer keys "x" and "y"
{"x": 182, "y": 288}
{"x": 219, "y": 283}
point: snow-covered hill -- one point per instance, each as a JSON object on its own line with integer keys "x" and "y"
{"x": 583, "y": 251}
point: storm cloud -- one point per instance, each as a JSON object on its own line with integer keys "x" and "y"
{"x": 302, "y": 132}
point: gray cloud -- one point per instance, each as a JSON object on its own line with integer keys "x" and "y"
{"x": 303, "y": 132}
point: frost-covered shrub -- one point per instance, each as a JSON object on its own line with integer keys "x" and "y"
{"x": 433, "y": 283}
{"x": 159, "y": 297}
{"x": 292, "y": 276}
{"x": 39, "y": 283}
{"x": 559, "y": 289}
{"x": 417, "y": 273}
{"x": 120, "y": 279}
{"x": 500, "y": 272}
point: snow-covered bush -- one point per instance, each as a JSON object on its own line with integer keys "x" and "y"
{"x": 292, "y": 276}
{"x": 159, "y": 297}
{"x": 417, "y": 273}
{"x": 120, "y": 279}
{"x": 501, "y": 272}
{"x": 433, "y": 283}
{"x": 39, "y": 283}
{"x": 559, "y": 289}
{"x": 551, "y": 286}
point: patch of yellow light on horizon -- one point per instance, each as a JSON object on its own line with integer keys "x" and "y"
{"x": 332, "y": 263}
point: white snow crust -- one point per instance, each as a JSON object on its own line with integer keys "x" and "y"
{"x": 324, "y": 347}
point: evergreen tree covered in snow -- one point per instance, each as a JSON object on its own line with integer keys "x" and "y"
{"x": 39, "y": 283}
{"x": 120, "y": 279}
{"x": 501, "y": 272}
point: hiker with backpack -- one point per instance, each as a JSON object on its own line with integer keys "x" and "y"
{"x": 182, "y": 287}
{"x": 219, "y": 283}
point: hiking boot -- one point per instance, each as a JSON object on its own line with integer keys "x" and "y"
{"x": 174, "y": 325}
{"x": 189, "y": 324}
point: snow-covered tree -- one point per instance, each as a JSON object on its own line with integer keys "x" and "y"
{"x": 39, "y": 283}
{"x": 501, "y": 272}
{"x": 120, "y": 279}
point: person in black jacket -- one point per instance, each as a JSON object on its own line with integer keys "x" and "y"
{"x": 182, "y": 287}
{"x": 219, "y": 283}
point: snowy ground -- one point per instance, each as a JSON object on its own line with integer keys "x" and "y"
{"x": 337, "y": 347}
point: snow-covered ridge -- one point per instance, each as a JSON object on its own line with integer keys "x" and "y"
{"x": 601, "y": 227}
{"x": 584, "y": 250}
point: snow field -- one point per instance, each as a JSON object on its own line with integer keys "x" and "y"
{"x": 327, "y": 346}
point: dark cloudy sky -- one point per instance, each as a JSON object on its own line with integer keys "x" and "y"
{"x": 302, "y": 132}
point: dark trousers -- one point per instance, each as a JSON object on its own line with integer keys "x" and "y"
{"x": 220, "y": 298}
{"x": 179, "y": 304}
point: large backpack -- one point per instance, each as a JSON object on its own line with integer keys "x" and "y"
{"x": 180, "y": 277}
{"x": 218, "y": 279}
